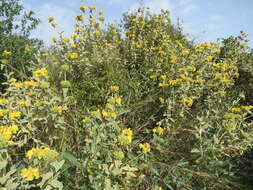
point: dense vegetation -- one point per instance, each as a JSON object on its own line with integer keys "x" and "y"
{"x": 130, "y": 106}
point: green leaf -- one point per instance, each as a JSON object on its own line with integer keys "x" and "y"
{"x": 57, "y": 184}
{"x": 57, "y": 165}
{"x": 3, "y": 164}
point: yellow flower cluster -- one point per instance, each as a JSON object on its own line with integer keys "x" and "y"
{"x": 40, "y": 72}
{"x": 4, "y": 101}
{"x": 30, "y": 173}
{"x": 108, "y": 114}
{"x": 188, "y": 101}
{"x": 145, "y": 147}
{"x": 73, "y": 55}
{"x": 114, "y": 88}
{"x": 6, "y": 53}
{"x": 6, "y": 132}
{"x": 23, "y": 103}
{"x": 14, "y": 115}
{"x": 25, "y": 84}
{"x": 159, "y": 130}
{"x": 126, "y": 136}
{"x": 37, "y": 153}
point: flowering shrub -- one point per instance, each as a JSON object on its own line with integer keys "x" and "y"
{"x": 126, "y": 107}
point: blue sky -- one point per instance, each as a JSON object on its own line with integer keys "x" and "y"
{"x": 202, "y": 20}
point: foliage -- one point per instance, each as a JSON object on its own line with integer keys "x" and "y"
{"x": 15, "y": 28}
{"x": 129, "y": 106}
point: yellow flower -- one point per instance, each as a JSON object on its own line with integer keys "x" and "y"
{"x": 113, "y": 114}
{"x": 96, "y": 32}
{"x": 153, "y": 76}
{"x": 73, "y": 45}
{"x": 3, "y": 112}
{"x": 159, "y": 130}
{"x": 50, "y": 19}
{"x": 30, "y": 83}
{"x": 6, "y": 53}
{"x": 31, "y": 153}
{"x": 30, "y": 173}
{"x": 19, "y": 85}
{"x": 145, "y": 147}
{"x": 118, "y": 100}
{"x": 12, "y": 80}
{"x": 4, "y": 101}
{"x": 236, "y": 110}
{"x": 54, "y": 39}
{"x": 191, "y": 68}
{"x": 126, "y": 136}
{"x": 114, "y": 88}
{"x": 73, "y": 56}
{"x": 188, "y": 101}
{"x": 79, "y": 17}
{"x": 66, "y": 39}
{"x": 23, "y": 103}
{"x": 83, "y": 8}
{"x": 161, "y": 99}
{"x": 40, "y": 72}
{"x": 102, "y": 19}
{"x": 13, "y": 115}
{"x": 73, "y": 36}
{"x": 163, "y": 77}
{"x": 185, "y": 52}
{"x": 105, "y": 114}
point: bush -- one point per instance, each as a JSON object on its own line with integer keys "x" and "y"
{"x": 129, "y": 106}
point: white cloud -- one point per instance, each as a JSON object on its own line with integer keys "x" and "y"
{"x": 64, "y": 17}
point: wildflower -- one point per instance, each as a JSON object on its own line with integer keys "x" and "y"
{"x": 30, "y": 173}
{"x": 118, "y": 100}
{"x": 145, "y": 147}
{"x": 30, "y": 83}
{"x": 114, "y": 88}
{"x": 54, "y": 39}
{"x": 113, "y": 114}
{"x": 102, "y": 19}
{"x": 12, "y": 80}
{"x": 105, "y": 114}
{"x": 13, "y": 115}
{"x": 23, "y": 103}
{"x": 73, "y": 55}
{"x": 188, "y": 101}
{"x": 3, "y": 112}
{"x": 79, "y": 17}
{"x": 73, "y": 45}
{"x": 40, "y": 72}
{"x": 100, "y": 12}
{"x": 185, "y": 52}
{"x": 96, "y": 32}
{"x": 163, "y": 77}
{"x": 4, "y": 101}
{"x": 6, "y": 53}
{"x": 50, "y": 19}
{"x": 236, "y": 110}
{"x": 159, "y": 130}
{"x": 73, "y": 36}
{"x": 153, "y": 76}
{"x": 65, "y": 39}
{"x": 126, "y": 136}
{"x": 83, "y": 8}
{"x": 161, "y": 99}
{"x": 57, "y": 109}
{"x": 191, "y": 68}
